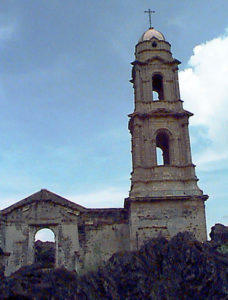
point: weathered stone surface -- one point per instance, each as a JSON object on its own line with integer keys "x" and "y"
{"x": 164, "y": 191}
{"x": 181, "y": 268}
{"x": 159, "y": 123}
{"x": 84, "y": 238}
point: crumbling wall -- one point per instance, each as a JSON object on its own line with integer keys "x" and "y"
{"x": 22, "y": 224}
{"x": 101, "y": 234}
{"x": 84, "y": 238}
{"x": 2, "y": 232}
{"x": 149, "y": 219}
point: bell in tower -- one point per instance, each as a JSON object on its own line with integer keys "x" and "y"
{"x": 164, "y": 196}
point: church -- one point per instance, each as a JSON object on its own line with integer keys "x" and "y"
{"x": 164, "y": 197}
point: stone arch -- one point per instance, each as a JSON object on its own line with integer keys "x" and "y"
{"x": 33, "y": 230}
{"x": 167, "y": 131}
{"x": 38, "y": 211}
{"x": 45, "y": 247}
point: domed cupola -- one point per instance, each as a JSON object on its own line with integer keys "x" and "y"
{"x": 153, "y": 44}
{"x": 150, "y": 34}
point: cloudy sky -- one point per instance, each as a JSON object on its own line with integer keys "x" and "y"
{"x": 65, "y": 95}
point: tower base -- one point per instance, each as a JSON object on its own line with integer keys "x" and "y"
{"x": 150, "y": 217}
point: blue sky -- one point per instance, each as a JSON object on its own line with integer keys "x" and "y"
{"x": 65, "y": 95}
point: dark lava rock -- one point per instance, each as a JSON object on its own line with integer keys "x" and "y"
{"x": 45, "y": 253}
{"x": 181, "y": 268}
{"x": 35, "y": 282}
{"x": 219, "y": 234}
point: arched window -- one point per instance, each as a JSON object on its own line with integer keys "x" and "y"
{"x": 162, "y": 148}
{"x": 157, "y": 87}
{"x": 45, "y": 247}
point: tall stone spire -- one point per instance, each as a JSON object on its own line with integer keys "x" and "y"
{"x": 161, "y": 156}
{"x": 159, "y": 124}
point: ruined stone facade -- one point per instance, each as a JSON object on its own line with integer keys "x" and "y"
{"x": 164, "y": 196}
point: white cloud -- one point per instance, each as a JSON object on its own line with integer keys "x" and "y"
{"x": 209, "y": 156}
{"x": 204, "y": 90}
{"x": 106, "y": 198}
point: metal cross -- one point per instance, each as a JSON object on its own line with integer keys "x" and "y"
{"x": 149, "y": 11}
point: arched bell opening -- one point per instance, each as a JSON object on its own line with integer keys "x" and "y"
{"x": 45, "y": 248}
{"x": 157, "y": 87}
{"x": 162, "y": 149}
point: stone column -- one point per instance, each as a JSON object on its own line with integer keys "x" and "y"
{"x": 136, "y": 147}
{"x": 31, "y": 245}
{"x": 177, "y": 90}
{"x": 187, "y": 147}
{"x": 153, "y": 153}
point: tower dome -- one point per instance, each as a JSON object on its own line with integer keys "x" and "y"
{"x": 151, "y": 33}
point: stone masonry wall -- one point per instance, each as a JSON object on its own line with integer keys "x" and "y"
{"x": 22, "y": 224}
{"x": 84, "y": 238}
{"x": 102, "y": 242}
{"x": 102, "y": 232}
{"x": 149, "y": 219}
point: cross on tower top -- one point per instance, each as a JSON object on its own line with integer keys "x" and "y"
{"x": 149, "y": 12}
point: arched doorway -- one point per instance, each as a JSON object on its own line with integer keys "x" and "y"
{"x": 45, "y": 248}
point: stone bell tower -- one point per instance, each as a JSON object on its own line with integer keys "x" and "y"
{"x": 164, "y": 196}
